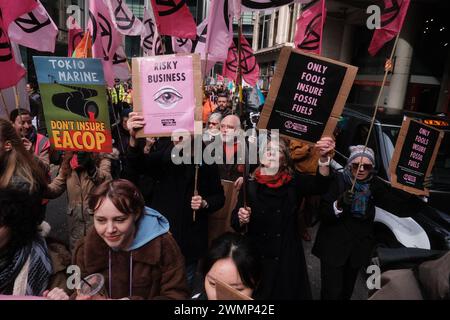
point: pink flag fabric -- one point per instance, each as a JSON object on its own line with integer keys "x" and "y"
{"x": 392, "y": 18}
{"x": 173, "y": 18}
{"x": 249, "y": 66}
{"x": 308, "y": 36}
{"x": 150, "y": 39}
{"x": 120, "y": 65}
{"x": 106, "y": 39}
{"x": 252, "y": 5}
{"x": 75, "y": 36}
{"x": 197, "y": 45}
{"x": 123, "y": 18}
{"x": 10, "y": 11}
{"x": 9, "y": 94}
{"x": 220, "y": 29}
{"x": 35, "y": 30}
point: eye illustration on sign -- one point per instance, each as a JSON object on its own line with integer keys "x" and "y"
{"x": 167, "y": 97}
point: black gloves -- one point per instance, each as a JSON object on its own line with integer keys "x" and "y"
{"x": 345, "y": 199}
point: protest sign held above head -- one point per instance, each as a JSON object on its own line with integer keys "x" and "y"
{"x": 75, "y": 106}
{"x": 307, "y": 95}
{"x": 414, "y": 156}
{"x": 168, "y": 91}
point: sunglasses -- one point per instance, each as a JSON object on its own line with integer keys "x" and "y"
{"x": 364, "y": 166}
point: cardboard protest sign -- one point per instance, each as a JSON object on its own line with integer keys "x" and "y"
{"x": 75, "y": 107}
{"x": 168, "y": 91}
{"x": 414, "y": 156}
{"x": 307, "y": 95}
{"x": 227, "y": 292}
{"x": 219, "y": 221}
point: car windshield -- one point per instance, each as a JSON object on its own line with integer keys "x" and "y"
{"x": 441, "y": 170}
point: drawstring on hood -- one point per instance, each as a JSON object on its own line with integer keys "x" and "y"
{"x": 151, "y": 225}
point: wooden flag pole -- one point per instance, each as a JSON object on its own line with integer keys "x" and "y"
{"x": 372, "y": 122}
{"x": 195, "y": 189}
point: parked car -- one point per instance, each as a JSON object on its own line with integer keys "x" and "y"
{"x": 429, "y": 226}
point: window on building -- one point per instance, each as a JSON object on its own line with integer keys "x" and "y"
{"x": 263, "y": 34}
{"x": 275, "y": 27}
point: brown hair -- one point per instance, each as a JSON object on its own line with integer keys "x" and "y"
{"x": 122, "y": 193}
{"x": 18, "y": 162}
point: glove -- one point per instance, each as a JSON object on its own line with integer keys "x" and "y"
{"x": 345, "y": 199}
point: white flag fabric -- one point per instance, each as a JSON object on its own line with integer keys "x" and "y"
{"x": 120, "y": 65}
{"x": 220, "y": 29}
{"x": 150, "y": 39}
{"x": 123, "y": 18}
{"x": 34, "y": 30}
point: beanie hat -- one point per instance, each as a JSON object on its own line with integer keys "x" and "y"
{"x": 358, "y": 151}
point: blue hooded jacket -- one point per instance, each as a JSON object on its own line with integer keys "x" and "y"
{"x": 152, "y": 224}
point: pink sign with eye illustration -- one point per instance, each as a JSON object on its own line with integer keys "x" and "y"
{"x": 166, "y": 89}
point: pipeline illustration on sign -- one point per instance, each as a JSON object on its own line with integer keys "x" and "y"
{"x": 76, "y": 101}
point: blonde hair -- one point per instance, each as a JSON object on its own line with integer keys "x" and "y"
{"x": 18, "y": 162}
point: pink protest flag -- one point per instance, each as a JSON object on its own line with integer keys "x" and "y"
{"x": 8, "y": 101}
{"x": 75, "y": 36}
{"x": 150, "y": 39}
{"x": 308, "y": 36}
{"x": 123, "y": 18}
{"x": 392, "y": 17}
{"x": 249, "y": 66}
{"x": 173, "y": 18}
{"x": 220, "y": 29}
{"x": 106, "y": 39}
{"x": 197, "y": 45}
{"x": 10, "y": 11}
{"x": 252, "y": 5}
{"x": 120, "y": 65}
{"x": 35, "y": 30}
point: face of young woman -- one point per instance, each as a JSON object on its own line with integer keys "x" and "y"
{"x": 364, "y": 170}
{"x": 116, "y": 228}
{"x": 224, "y": 270}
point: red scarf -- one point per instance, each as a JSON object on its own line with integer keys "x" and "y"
{"x": 273, "y": 181}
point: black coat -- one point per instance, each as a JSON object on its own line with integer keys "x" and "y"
{"x": 172, "y": 192}
{"x": 344, "y": 237}
{"x": 273, "y": 228}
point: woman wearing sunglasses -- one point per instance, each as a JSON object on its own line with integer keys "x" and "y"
{"x": 344, "y": 240}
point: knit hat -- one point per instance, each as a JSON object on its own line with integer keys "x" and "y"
{"x": 358, "y": 151}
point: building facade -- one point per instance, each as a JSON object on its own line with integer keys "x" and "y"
{"x": 419, "y": 81}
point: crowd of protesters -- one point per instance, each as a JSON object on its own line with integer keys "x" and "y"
{"x": 140, "y": 219}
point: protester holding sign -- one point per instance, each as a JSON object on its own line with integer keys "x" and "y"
{"x": 130, "y": 246}
{"x": 80, "y": 173}
{"x": 345, "y": 238}
{"x": 173, "y": 194}
{"x": 273, "y": 196}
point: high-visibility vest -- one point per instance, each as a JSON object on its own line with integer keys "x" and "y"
{"x": 113, "y": 94}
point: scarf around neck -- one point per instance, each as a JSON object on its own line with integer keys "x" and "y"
{"x": 39, "y": 270}
{"x": 362, "y": 194}
{"x": 273, "y": 181}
